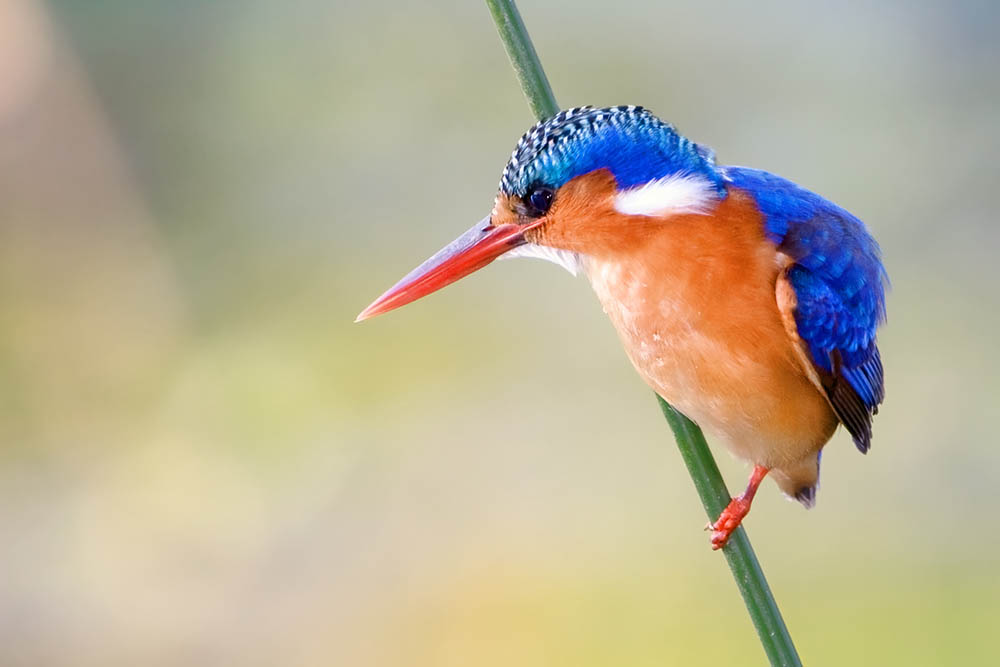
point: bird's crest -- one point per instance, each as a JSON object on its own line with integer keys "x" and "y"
{"x": 636, "y": 146}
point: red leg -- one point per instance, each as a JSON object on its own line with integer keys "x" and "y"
{"x": 738, "y": 508}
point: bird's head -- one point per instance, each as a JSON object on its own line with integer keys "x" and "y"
{"x": 569, "y": 185}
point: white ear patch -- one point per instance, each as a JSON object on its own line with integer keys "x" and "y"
{"x": 668, "y": 195}
{"x": 564, "y": 258}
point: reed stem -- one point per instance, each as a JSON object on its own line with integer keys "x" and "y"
{"x": 694, "y": 450}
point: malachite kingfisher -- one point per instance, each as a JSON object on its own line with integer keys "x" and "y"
{"x": 747, "y": 302}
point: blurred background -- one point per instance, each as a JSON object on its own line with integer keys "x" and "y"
{"x": 204, "y": 461}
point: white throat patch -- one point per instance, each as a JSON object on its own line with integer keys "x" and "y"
{"x": 564, "y": 258}
{"x": 670, "y": 195}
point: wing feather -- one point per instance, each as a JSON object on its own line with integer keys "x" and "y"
{"x": 836, "y": 275}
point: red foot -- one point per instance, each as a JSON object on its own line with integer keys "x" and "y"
{"x": 737, "y": 508}
{"x": 729, "y": 521}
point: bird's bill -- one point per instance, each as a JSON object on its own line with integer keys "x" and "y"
{"x": 469, "y": 252}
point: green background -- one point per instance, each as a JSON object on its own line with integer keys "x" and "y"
{"x": 204, "y": 461}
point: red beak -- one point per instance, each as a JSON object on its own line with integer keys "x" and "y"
{"x": 469, "y": 252}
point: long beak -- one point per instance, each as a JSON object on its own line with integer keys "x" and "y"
{"x": 469, "y": 252}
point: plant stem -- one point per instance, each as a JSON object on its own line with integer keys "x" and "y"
{"x": 739, "y": 553}
{"x": 522, "y": 56}
{"x": 694, "y": 450}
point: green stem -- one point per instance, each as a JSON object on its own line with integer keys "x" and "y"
{"x": 694, "y": 450}
{"x": 739, "y": 553}
{"x": 522, "y": 56}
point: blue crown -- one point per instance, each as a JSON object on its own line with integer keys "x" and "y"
{"x": 632, "y": 143}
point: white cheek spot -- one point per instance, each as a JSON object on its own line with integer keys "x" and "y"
{"x": 670, "y": 195}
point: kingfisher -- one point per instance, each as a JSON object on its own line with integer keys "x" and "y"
{"x": 747, "y": 302}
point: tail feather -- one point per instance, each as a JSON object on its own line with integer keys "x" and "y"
{"x": 801, "y": 481}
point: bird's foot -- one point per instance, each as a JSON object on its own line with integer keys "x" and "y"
{"x": 737, "y": 508}
{"x": 728, "y": 521}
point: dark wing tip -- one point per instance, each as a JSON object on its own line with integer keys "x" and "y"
{"x": 863, "y": 443}
{"x": 852, "y": 409}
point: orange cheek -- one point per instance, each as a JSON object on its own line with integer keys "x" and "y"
{"x": 583, "y": 218}
{"x": 537, "y": 234}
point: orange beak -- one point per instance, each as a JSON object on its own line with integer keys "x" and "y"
{"x": 469, "y": 252}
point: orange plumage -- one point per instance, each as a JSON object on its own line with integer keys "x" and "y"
{"x": 696, "y": 305}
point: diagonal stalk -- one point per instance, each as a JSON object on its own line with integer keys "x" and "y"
{"x": 694, "y": 450}
{"x": 739, "y": 553}
{"x": 522, "y": 56}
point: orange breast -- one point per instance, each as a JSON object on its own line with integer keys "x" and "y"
{"x": 693, "y": 300}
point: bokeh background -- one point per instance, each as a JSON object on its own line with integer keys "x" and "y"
{"x": 204, "y": 461}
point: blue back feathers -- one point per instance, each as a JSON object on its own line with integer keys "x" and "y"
{"x": 839, "y": 283}
{"x": 632, "y": 143}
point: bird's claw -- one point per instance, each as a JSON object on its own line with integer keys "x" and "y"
{"x": 728, "y": 522}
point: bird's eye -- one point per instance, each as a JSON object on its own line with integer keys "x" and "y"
{"x": 540, "y": 199}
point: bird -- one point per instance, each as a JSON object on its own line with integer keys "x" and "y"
{"x": 746, "y": 301}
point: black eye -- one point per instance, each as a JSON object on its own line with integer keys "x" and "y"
{"x": 540, "y": 199}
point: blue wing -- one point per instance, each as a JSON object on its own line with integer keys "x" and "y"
{"x": 839, "y": 284}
